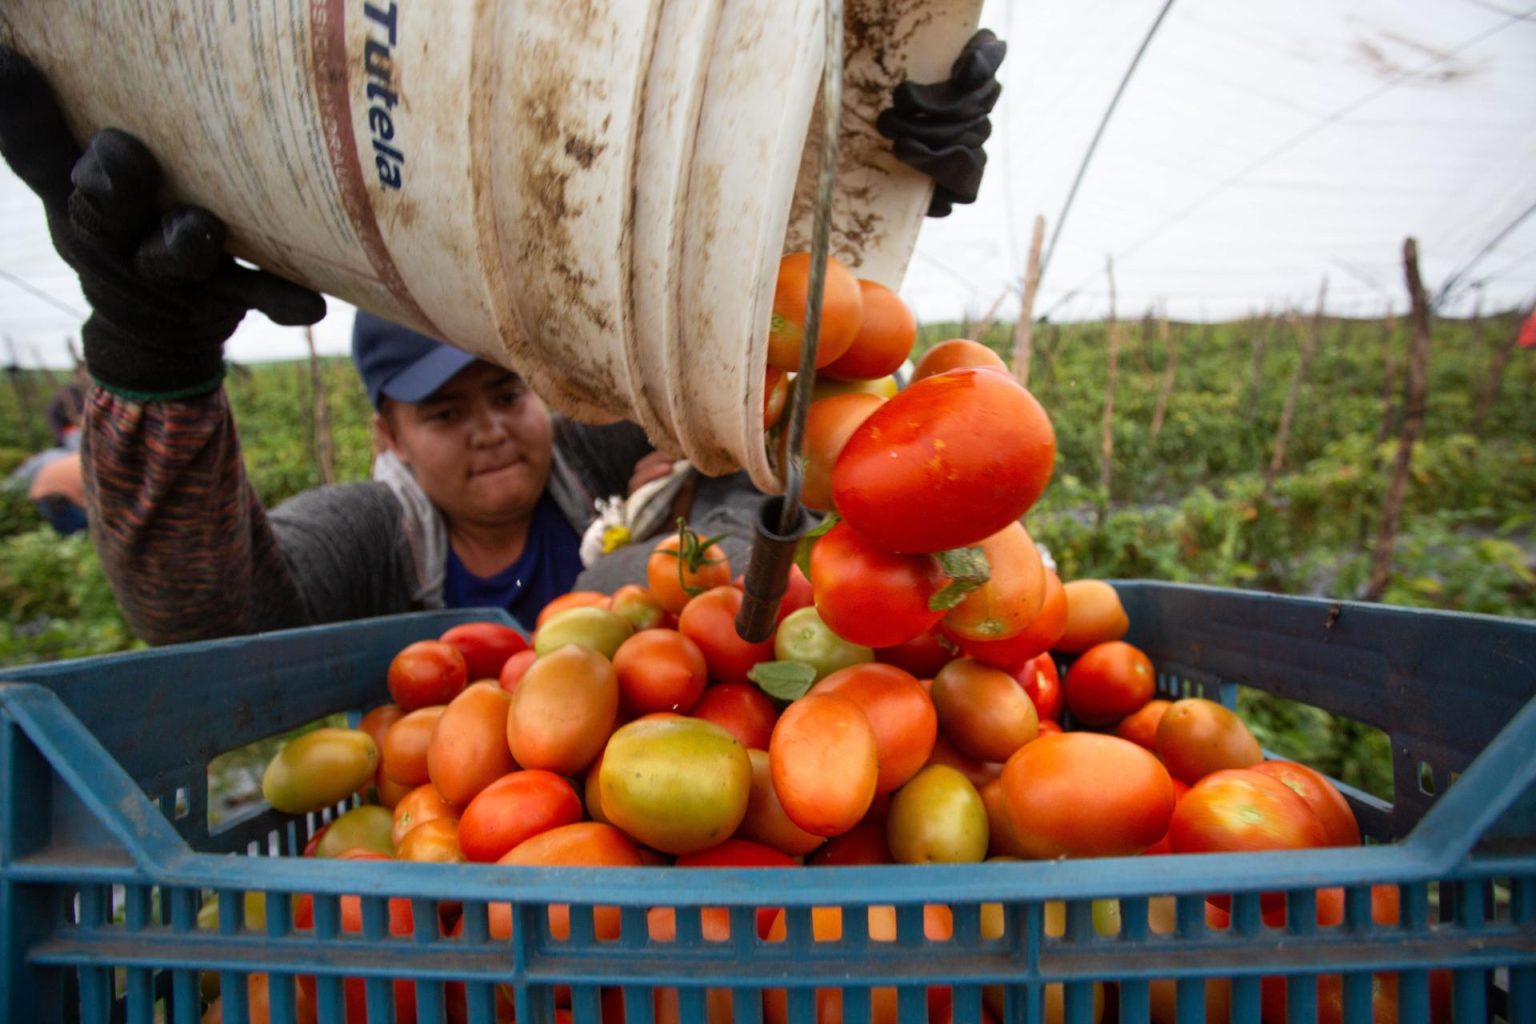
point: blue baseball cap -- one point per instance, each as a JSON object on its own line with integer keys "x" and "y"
{"x": 397, "y": 362}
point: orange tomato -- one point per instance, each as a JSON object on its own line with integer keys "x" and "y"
{"x": 683, "y": 565}
{"x": 468, "y": 750}
{"x": 659, "y": 670}
{"x": 563, "y": 710}
{"x": 825, "y": 763}
{"x": 422, "y": 804}
{"x": 955, "y": 353}
{"x": 1013, "y": 595}
{"x": 376, "y": 723}
{"x": 1314, "y": 787}
{"x": 1094, "y": 615}
{"x": 775, "y": 396}
{"x": 581, "y": 844}
{"x": 569, "y": 600}
{"x": 765, "y": 822}
{"x": 884, "y": 339}
{"x": 1197, "y": 736}
{"x": 403, "y": 757}
{"x": 434, "y": 842}
{"x": 1035, "y": 639}
{"x": 1082, "y": 794}
{"x": 1107, "y": 682}
{"x": 982, "y": 710}
{"x": 842, "y": 309}
{"x": 1140, "y": 726}
{"x": 1002, "y": 841}
{"x": 829, "y": 422}
{"x": 900, "y": 712}
{"x": 514, "y": 808}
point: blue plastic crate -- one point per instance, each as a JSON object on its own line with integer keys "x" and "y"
{"x": 106, "y": 853}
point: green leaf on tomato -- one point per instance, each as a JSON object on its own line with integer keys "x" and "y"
{"x": 967, "y": 569}
{"x": 786, "y": 680}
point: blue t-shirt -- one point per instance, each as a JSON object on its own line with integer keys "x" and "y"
{"x": 547, "y": 568}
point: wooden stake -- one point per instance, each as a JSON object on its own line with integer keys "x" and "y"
{"x": 1106, "y": 428}
{"x": 1414, "y": 405}
{"x": 1255, "y": 387}
{"x": 325, "y": 448}
{"x": 1496, "y": 374}
{"x": 1024, "y": 326}
{"x": 1388, "y": 378}
{"x": 1165, "y": 391}
{"x": 1308, "y": 341}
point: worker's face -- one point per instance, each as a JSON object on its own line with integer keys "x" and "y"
{"x": 480, "y": 446}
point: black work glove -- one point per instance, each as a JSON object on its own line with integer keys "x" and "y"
{"x": 164, "y": 294}
{"x": 939, "y": 129}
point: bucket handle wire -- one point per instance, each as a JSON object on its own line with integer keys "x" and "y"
{"x": 782, "y": 520}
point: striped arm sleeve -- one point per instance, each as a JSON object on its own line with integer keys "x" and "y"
{"x": 182, "y": 536}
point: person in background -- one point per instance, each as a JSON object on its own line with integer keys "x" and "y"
{"x": 480, "y": 496}
{"x": 52, "y": 477}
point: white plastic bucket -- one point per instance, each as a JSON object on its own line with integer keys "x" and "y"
{"x": 594, "y": 194}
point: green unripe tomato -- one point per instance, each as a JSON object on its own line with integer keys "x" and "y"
{"x": 803, "y": 637}
{"x": 319, "y": 769}
{"x": 596, "y": 629}
{"x": 367, "y": 827}
{"x": 937, "y": 817}
{"x": 676, "y": 784}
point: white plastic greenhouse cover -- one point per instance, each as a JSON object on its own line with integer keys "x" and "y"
{"x": 1258, "y": 147}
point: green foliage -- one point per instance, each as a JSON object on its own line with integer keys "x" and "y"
{"x": 59, "y": 603}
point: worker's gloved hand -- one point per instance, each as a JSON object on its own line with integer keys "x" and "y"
{"x": 164, "y": 294}
{"x": 939, "y": 128}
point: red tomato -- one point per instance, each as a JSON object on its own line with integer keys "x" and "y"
{"x": 1238, "y": 809}
{"x": 742, "y": 710}
{"x": 922, "y": 656}
{"x": 709, "y": 620}
{"x": 486, "y": 646}
{"x": 1042, "y": 682}
{"x": 870, "y": 596}
{"x": 425, "y": 673}
{"x": 949, "y": 461}
{"x": 659, "y": 670}
{"x": 512, "y": 672}
{"x": 1323, "y": 796}
{"x": 865, "y": 843}
{"x": 1107, "y": 682}
{"x": 1083, "y": 794}
{"x": 517, "y": 806}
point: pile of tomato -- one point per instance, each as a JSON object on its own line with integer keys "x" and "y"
{"x": 907, "y": 709}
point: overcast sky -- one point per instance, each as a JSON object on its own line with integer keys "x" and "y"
{"x": 1258, "y": 148}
